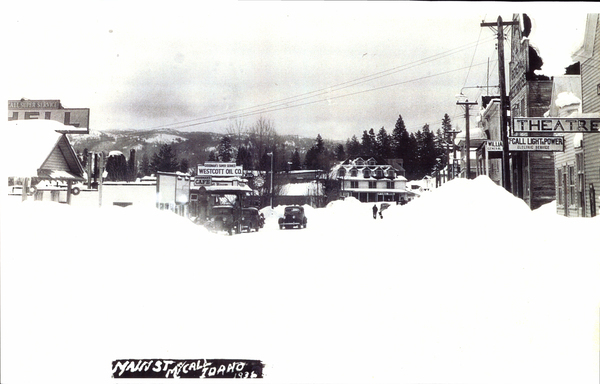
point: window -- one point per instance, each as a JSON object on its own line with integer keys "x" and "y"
{"x": 354, "y": 184}
{"x": 372, "y": 184}
{"x": 353, "y": 172}
{"x": 571, "y": 181}
{"x": 391, "y": 174}
{"x": 366, "y": 173}
{"x": 359, "y": 161}
{"x": 341, "y": 172}
{"x": 378, "y": 173}
{"x": 390, "y": 185}
{"x": 559, "y": 187}
{"x": 371, "y": 161}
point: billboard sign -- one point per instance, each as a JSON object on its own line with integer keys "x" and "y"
{"x": 555, "y": 124}
{"x": 213, "y": 168}
{"x": 77, "y": 119}
{"x": 536, "y": 144}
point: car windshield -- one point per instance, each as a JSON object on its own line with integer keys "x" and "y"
{"x": 222, "y": 211}
{"x": 292, "y": 210}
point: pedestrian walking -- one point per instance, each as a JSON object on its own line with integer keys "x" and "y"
{"x": 381, "y": 212}
{"x": 375, "y": 211}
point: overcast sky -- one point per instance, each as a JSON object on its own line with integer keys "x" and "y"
{"x": 334, "y": 68}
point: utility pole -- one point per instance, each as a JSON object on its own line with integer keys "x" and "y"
{"x": 467, "y": 104}
{"x": 503, "y": 98}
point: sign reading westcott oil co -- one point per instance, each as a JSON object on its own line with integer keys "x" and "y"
{"x": 215, "y": 168}
{"x": 78, "y": 119}
{"x": 536, "y": 144}
{"x": 555, "y": 124}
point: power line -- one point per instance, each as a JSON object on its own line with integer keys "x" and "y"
{"x": 277, "y": 108}
{"x": 329, "y": 89}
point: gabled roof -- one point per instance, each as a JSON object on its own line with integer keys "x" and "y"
{"x": 33, "y": 148}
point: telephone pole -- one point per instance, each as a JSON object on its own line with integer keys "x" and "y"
{"x": 467, "y": 104}
{"x": 503, "y": 98}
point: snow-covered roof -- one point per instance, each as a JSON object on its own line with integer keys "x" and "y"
{"x": 566, "y": 96}
{"x": 29, "y": 144}
{"x": 310, "y": 188}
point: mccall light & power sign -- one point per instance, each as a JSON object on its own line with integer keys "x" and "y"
{"x": 78, "y": 119}
{"x": 536, "y": 144}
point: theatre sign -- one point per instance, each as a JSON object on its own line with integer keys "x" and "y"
{"x": 77, "y": 119}
{"x": 555, "y": 124}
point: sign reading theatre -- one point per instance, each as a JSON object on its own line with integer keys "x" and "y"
{"x": 555, "y": 124}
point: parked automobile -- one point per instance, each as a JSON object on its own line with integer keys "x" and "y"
{"x": 224, "y": 218}
{"x": 250, "y": 219}
{"x": 293, "y": 216}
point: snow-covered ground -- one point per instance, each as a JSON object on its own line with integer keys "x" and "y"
{"x": 465, "y": 284}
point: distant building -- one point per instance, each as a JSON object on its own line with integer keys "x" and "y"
{"x": 372, "y": 180}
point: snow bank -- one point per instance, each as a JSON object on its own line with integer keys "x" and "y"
{"x": 465, "y": 284}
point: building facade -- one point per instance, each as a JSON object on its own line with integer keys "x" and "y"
{"x": 372, "y": 180}
{"x": 577, "y": 169}
{"x": 532, "y": 173}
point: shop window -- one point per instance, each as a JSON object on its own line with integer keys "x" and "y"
{"x": 559, "y": 187}
{"x": 571, "y": 181}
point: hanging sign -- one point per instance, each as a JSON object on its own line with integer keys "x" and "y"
{"x": 214, "y": 168}
{"x": 555, "y": 124}
{"x": 493, "y": 146}
{"x": 536, "y": 144}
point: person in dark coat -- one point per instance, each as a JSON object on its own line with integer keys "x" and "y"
{"x": 381, "y": 212}
{"x": 375, "y": 211}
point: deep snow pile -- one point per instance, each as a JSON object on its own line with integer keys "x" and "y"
{"x": 463, "y": 285}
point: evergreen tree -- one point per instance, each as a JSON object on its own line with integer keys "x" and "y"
{"x": 244, "y": 157}
{"x": 184, "y": 166}
{"x": 400, "y": 141}
{"x": 353, "y": 147}
{"x": 296, "y": 163}
{"x": 145, "y": 169}
{"x": 212, "y": 156}
{"x": 339, "y": 152}
{"x": 428, "y": 151}
{"x": 116, "y": 167}
{"x": 225, "y": 151}
{"x": 165, "y": 160}
{"x": 384, "y": 144}
{"x": 368, "y": 143}
{"x": 131, "y": 166}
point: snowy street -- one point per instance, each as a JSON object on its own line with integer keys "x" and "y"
{"x": 410, "y": 298}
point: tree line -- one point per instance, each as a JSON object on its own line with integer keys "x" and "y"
{"x": 422, "y": 152}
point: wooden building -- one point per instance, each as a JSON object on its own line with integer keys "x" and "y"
{"x": 35, "y": 154}
{"x": 531, "y": 173}
{"x": 577, "y": 169}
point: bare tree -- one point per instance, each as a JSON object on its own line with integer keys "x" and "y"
{"x": 262, "y": 136}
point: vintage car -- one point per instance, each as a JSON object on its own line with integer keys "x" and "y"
{"x": 224, "y": 218}
{"x": 251, "y": 219}
{"x": 293, "y": 216}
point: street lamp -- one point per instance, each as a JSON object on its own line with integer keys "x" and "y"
{"x": 270, "y": 154}
{"x": 467, "y": 104}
